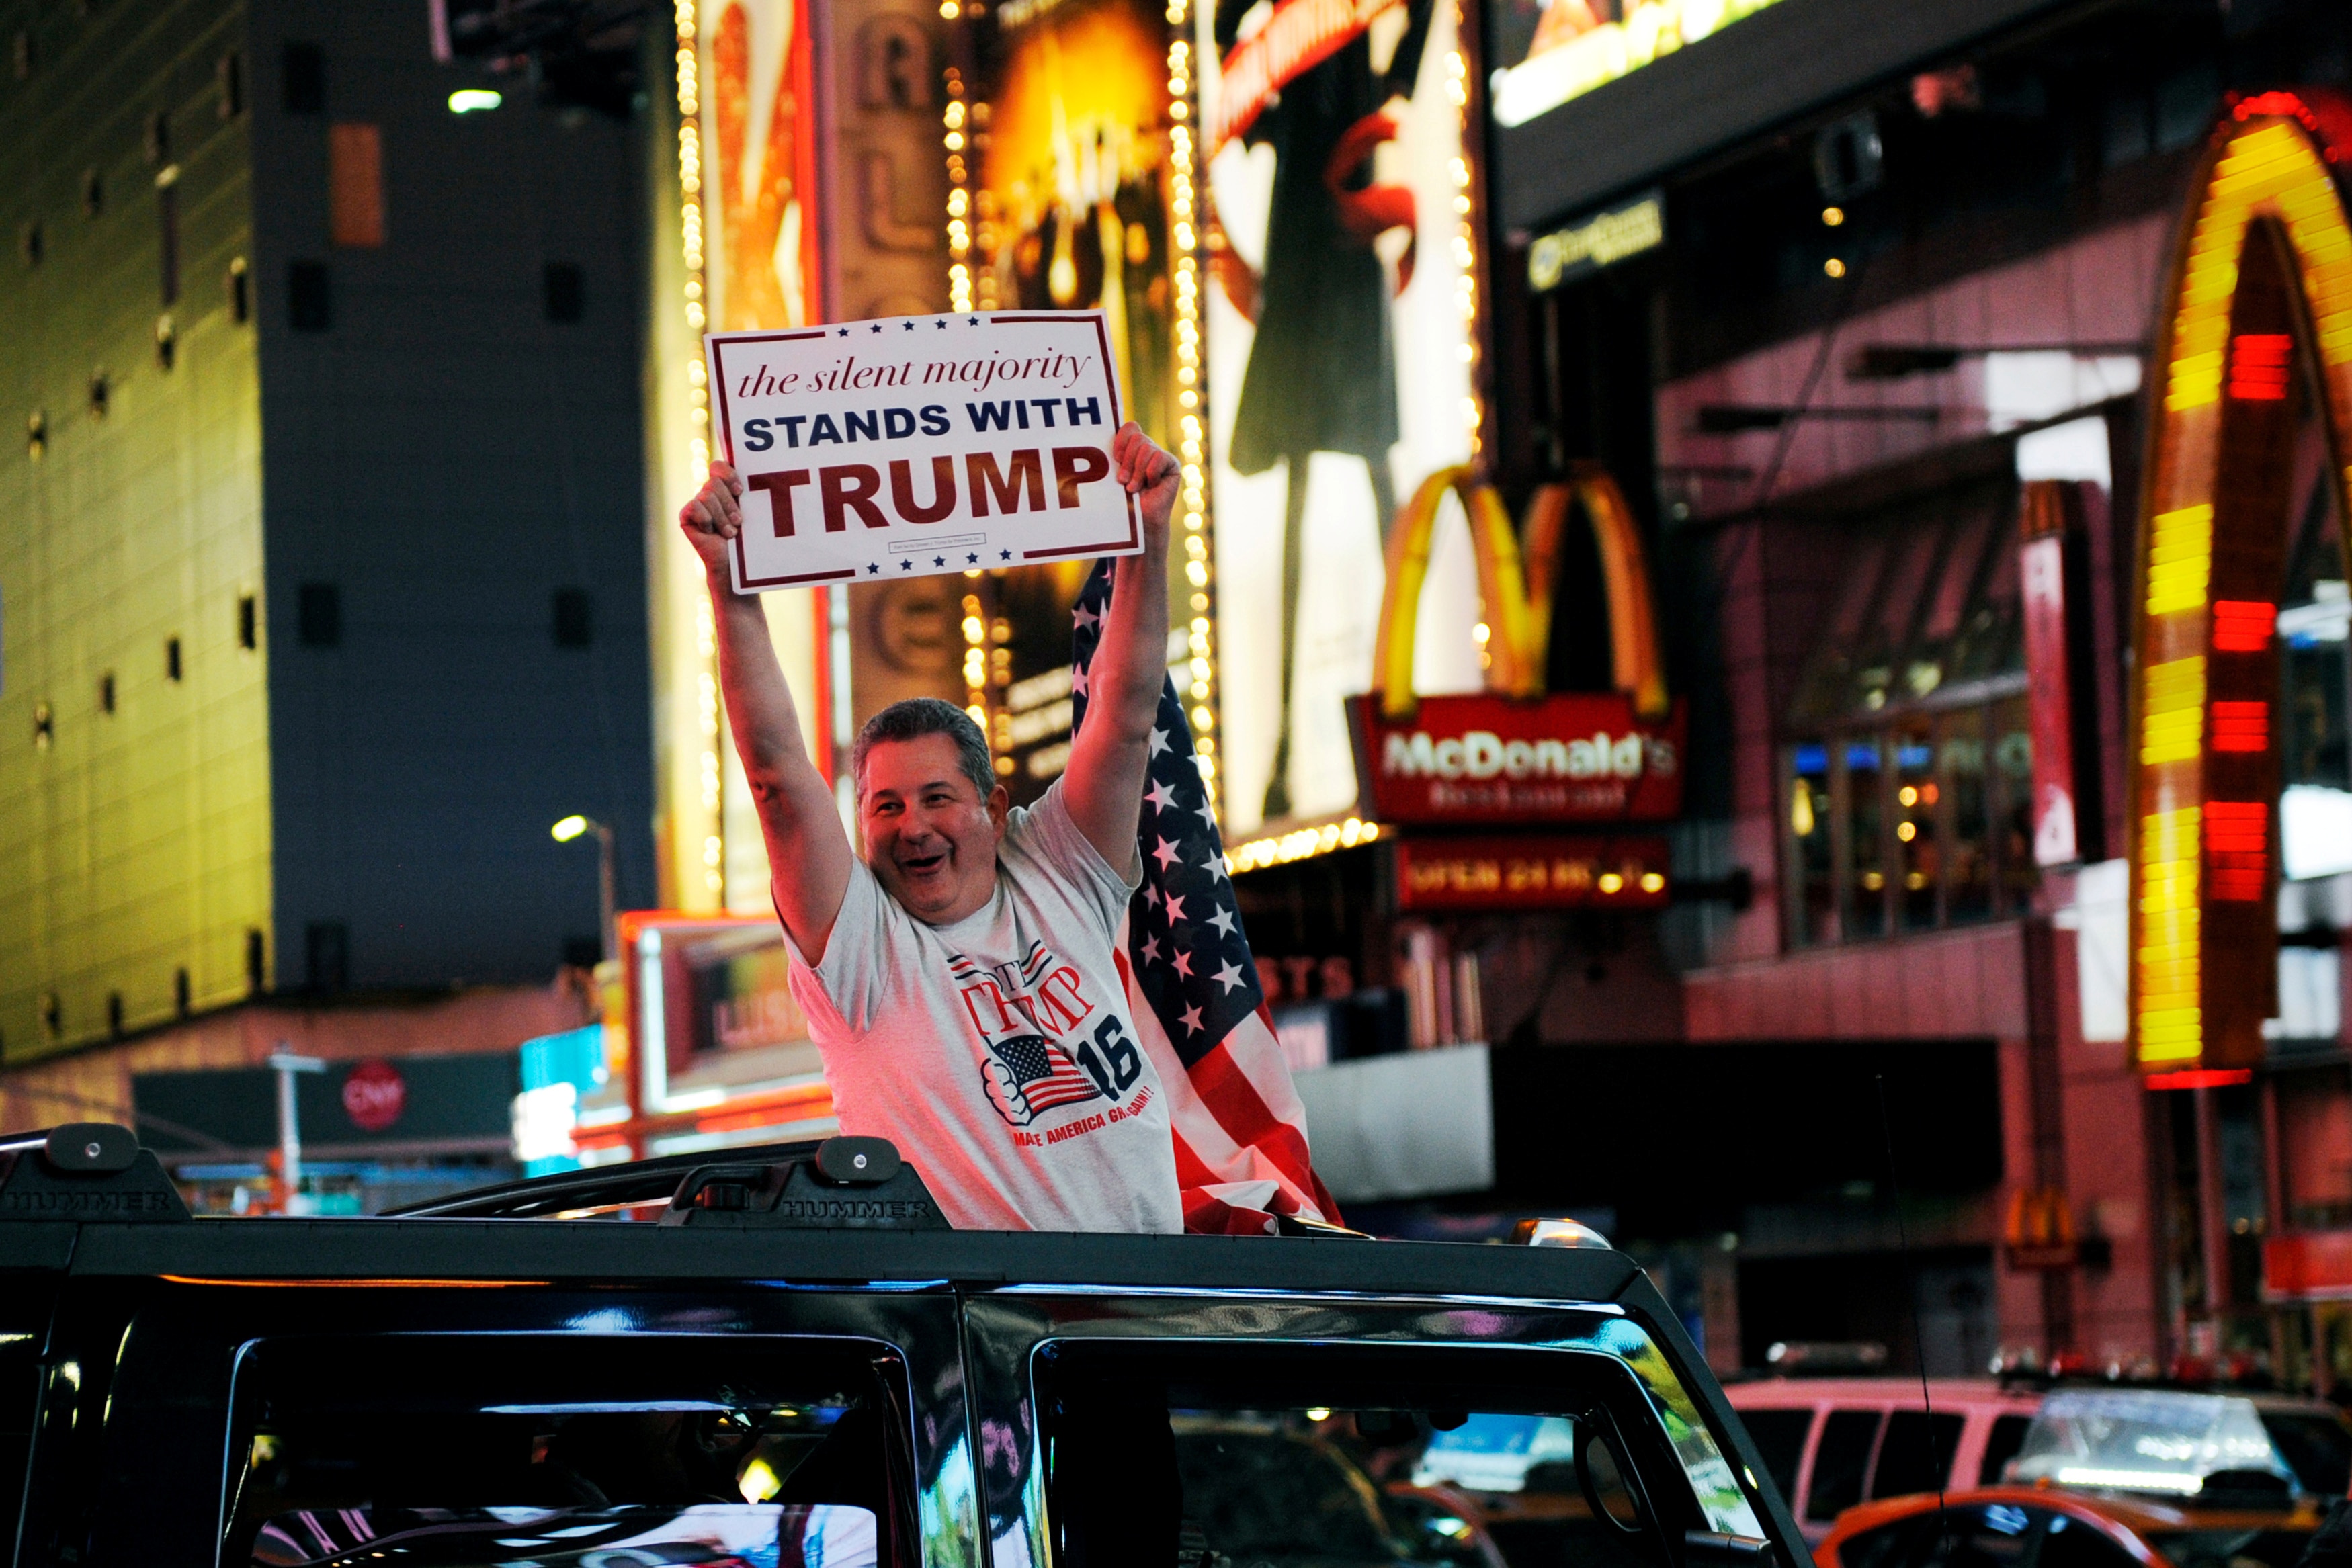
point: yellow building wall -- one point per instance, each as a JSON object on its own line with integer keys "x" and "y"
{"x": 134, "y": 845}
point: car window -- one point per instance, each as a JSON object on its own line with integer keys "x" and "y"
{"x": 433, "y": 1450}
{"x": 1780, "y": 1438}
{"x": 1978, "y": 1535}
{"x": 2315, "y": 1447}
{"x": 2232, "y": 1548}
{"x": 1841, "y": 1459}
{"x": 1916, "y": 1454}
{"x": 2001, "y": 1442}
{"x": 2068, "y": 1543}
{"x": 1881, "y": 1548}
{"x": 1355, "y": 1459}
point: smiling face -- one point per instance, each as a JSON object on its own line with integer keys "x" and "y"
{"x": 930, "y": 839}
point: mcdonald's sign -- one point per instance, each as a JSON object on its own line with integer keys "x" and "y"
{"x": 2040, "y": 1231}
{"x": 1513, "y": 753}
{"x": 2260, "y": 283}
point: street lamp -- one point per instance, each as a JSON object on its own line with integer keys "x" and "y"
{"x": 571, "y": 828}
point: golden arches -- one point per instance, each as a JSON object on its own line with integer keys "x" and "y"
{"x": 2261, "y": 276}
{"x": 1516, "y": 588}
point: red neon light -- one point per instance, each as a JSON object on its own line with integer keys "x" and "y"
{"x": 2285, "y": 103}
{"x": 2237, "y": 849}
{"x": 2200, "y": 1078}
{"x": 2242, "y": 625}
{"x": 2242, "y": 726}
{"x": 2258, "y": 366}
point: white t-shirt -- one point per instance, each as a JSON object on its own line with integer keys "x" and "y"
{"x": 997, "y": 1052}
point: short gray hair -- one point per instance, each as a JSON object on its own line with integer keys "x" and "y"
{"x": 919, "y": 716}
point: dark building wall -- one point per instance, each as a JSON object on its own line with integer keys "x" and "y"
{"x": 135, "y": 807}
{"x": 443, "y": 461}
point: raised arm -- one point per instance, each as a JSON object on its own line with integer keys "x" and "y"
{"x": 807, "y": 850}
{"x": 1104, "y": 784}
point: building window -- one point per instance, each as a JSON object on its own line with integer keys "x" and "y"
{"x": 240, "y": 293}
{"x": 307, "y": 308}
{"x": 33, "y": 244}
{"x": 167, "y": 343}
{"x": 182, "y": 1001}
{"x": 37, "y": 435}
{"x": 101, "y": 394}
{"x": 305, "y": 79}
{"x": 53, "y": 1015}
{"x": 156, "y": 144}
{"x": 329, "y": 956}
{"x": 355, "y": 185}
{"x": 45, "y": 728}
{"x": 172, "y": 666}
{"x": 248, "y": 622}
{"x": 256, "y": 972}
{"x": 167, "y": 240}
{"x": 318, "y": 616}
{"x": 1906, "y": 785}
{"x": 93, "y": 192}
{"x": 106, "y": 692}
{"x": 566, "y": 288}
{"x": 228, "y": 81}
{"x": 573, "y": 625}
{"x": 114, "y": 1014}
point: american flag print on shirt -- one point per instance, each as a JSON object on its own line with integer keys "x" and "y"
{"x": 1192, "y": 988}
{"x": 1029, "y": 1071}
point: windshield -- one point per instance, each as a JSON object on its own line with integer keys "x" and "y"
{"x": 2230, "y": 1548}
{"x": 2151, "y": 1440}
{"x": 2316, "y": 1446}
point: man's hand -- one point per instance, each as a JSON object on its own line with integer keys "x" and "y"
{"x": 713, "y": 518}
{"x": 1104, "y": 784}
{"x": 807, "y": 850}
{"x": 1144, "y": 469}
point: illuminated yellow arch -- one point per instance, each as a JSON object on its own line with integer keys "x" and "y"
{"x": 2261, "y": 280}
{"x": 1516, "y": 590}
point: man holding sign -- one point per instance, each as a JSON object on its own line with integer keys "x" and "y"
{"x": 959, "y": 978}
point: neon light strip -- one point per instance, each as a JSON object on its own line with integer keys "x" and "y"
{"x": 2265, "y": 161}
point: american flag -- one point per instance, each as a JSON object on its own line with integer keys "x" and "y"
{"x": 1192, "y": 988}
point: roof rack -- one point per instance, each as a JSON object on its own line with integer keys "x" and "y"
{"x": 841, "y": 1182}
{"x": 84, "y": 1170}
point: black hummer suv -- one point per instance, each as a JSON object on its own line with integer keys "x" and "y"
{"x": 792, "y": 1363}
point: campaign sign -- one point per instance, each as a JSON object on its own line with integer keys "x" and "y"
{"x": 920, "y": 444}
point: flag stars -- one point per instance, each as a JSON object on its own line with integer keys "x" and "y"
{"x": 1202, "y": 811}
{"x": 1081, "y": 617}
{"x": 1229, "y": 977}
{"x": 1159, "y": 741}
{"x": 1175, "y": 908}
{"x": 972, "y": 559}
{"x": 906, "y": 566}
{"x": 1078, "y": 681}
{"x": 1184, "y": 962}
{"x": 1159, "y": 795}
{"x": 1151, "y": 950}
{"x": 910, "y": 326}
{"x": 844, "y": 332}
{"x": 938, "y": 561}
{"x": 872, "y": 568}
{"x": 1224, "y": 920}
{"x": 1166, "y": 854}
{"x": 1191, "y": 1019}
{"x": 876, "y": 327}
{"x": 1004, "y": 555}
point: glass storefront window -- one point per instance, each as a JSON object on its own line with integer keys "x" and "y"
{"x": 2012, "y": 760}
{"x": 1967, "y": 807}
{"x": 1865, "y": 836}
{"x": 1918, "y": 852}
{"x": 1812, "y": 911}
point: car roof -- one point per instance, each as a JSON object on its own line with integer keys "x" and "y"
{"x": 1791, "y": 1393}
